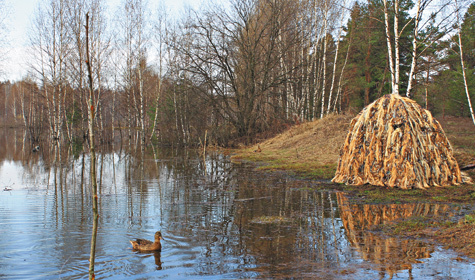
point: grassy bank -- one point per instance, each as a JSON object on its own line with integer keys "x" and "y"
{"x": 308, "y": 150}
{"x": 311, "y": 150}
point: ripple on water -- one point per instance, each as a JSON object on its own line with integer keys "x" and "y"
{"x": 240, "y": 224}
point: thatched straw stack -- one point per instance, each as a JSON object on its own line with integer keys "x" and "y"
{"x": 394, "y": 142}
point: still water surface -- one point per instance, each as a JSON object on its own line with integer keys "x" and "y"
{"x": 220, "y": 220}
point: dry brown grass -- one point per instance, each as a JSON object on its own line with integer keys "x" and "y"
{"x": 461, "y": 134}
{"x": 310, "y": 149}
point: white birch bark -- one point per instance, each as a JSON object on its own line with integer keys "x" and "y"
{"x": 142, "y": 102}
{"x": 93, "y": 176}
{"x": 396, "y": 46}
{"x": 338, "y": 93}
{"x": 316, "y": 61}
{"x": 50, "y": 50}
{"x": 325, "y": 42}
{"x": 463, "y": 64}
{"x": 160, "y": 29}
{"x": 336, "y": 58}
{"x": 390, "y": 50}
{"x": 284, "y": 72}
{"x": 414, "y": 48}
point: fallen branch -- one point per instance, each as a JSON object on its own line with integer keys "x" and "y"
{"x": 468, "y": 167}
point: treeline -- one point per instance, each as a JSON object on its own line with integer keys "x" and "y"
{"x": 238, "y": 70}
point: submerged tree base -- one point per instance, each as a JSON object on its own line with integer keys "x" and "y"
{"x": 394, "y": 142}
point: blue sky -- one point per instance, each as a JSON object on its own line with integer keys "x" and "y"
{"x": 22, "y": 12}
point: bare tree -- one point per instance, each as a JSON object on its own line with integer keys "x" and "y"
{"x": 4, "y": 13}
{"x": 51, "y": 46}
{"x": 459, "y": 35}
{"x": 442, "y": 20}
{"x": 99, "y": 47}
{"x": 437, "y": 9}
{"x": 160, "y": 32}
{"x": 236, "y": 54}
{"x": 390, "y": 47}
{"x": 76, "y": 70}
{"x": 341, "y": 14}
{"x": 326, "y": 10}
{"x": 92, "y": 149}
{"x": 133, "y": 21}
{"x": 417, "y": 19}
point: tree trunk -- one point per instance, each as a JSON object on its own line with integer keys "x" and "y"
{"x": 396, "y": 46}
{"x": 414, "y": 49}
{"x": 390, "y": 49}
{"x": 157, "y": 100}
{"x": 335, "y": 60}
{"x": 93, "y": 159}
{"x": 325, "y": 42}
{"x": 142, "y": 103}
{"x": 427, "y": 83}
{"x": 367, "y": 73}
{"x": 463, "y": 66}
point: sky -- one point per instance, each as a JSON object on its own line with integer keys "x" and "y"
{"x": 19, "y": 22}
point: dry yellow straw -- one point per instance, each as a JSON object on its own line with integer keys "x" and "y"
{"x": 394, "y": 142}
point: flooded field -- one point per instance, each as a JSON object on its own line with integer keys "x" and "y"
{"x": 219, "y": 220}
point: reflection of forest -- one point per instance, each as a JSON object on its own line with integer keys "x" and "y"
{"x": 216, "y": 216}
{"x": 391, "y": 254}
{"x": 290, "y": 229}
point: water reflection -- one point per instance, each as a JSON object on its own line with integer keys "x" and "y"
{"x": 219, "y": 220}
{"x": 390, "y": 254}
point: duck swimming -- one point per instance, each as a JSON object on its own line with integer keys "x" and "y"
{"x": 146, "y": 245}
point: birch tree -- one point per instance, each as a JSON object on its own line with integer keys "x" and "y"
{"x": 341, "y": 14}
{"x": 326, "y": 9}
{"x": 392, "y": 69}
{"x": 77, "y": 71}
{"x": 92, "y": 149}
{"x": 4, "y": 13}
{"x": 133, "y": 39}
{"x": 459, "y": 35}
{"x": 160, "y": 31}
{"x": 417, "y": 19}
{"x": 50, "y": 45}
{"x": 99, "y": 48}
{"x": 440, "y": 22}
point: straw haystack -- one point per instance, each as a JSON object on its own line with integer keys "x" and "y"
{"x": 394, "y": 142}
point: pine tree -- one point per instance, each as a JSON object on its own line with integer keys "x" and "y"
{"x": 368, "y": 72}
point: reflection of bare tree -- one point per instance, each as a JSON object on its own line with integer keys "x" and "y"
{"x": 391, "y": 254}
{"x": 288, "y": 229}
{"x": 217, "y": 217}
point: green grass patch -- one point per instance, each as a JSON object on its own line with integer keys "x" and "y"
{"x": 311, "y": 150}
{"x": 469, "y": 219}
{"x": 411, "y": 225}
{"x": 270, "y": 220}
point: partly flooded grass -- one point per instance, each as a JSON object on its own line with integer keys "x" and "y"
{"x": 457, "y": 235}
{"x": 311, "y": 151}
{"x": 308, "y": 150}
{"x": 271, "y": 220}
{"x": 371, "y": 194}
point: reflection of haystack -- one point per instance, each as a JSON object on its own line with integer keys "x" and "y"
{"x": 396, "y": 143}
{"x": 392, "y": 254}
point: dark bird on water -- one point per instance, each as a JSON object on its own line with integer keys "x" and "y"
{"x": 147, "y": 245}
